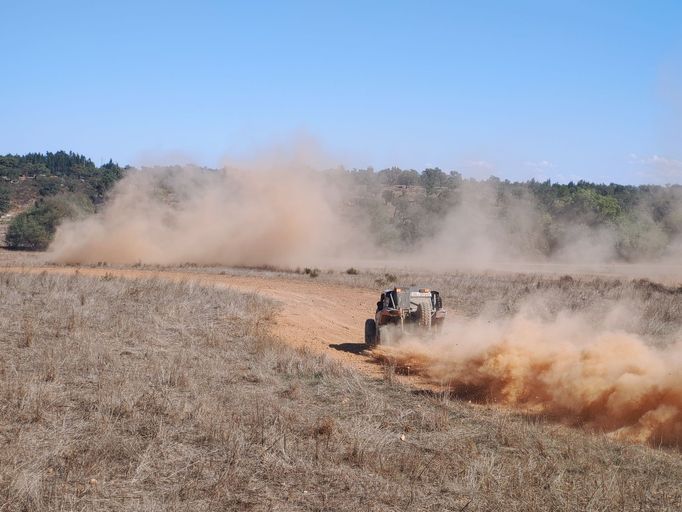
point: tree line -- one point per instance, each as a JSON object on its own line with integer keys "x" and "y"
{"x": 640, "y": 221}
{"x": 399, "y": 207}
{"x": 48, "y": 188}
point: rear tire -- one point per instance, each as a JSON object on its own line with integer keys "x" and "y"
{"x": 370, "y": 332}
{"x": 425, "y": 315}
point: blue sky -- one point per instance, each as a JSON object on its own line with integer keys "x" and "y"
{"x": 560, "y": 90}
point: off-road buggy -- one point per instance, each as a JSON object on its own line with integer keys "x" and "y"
{"x": 405, "y": 310}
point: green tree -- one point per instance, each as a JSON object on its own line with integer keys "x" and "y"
{"x": 431, "y": 179}
{"x": 604, "y": 207}
{"x": 4, "y": 199}
{"x": 48, "y": 185}
{"x": 27, "y": 233}
{"x": 454, "y": 179}
{"x": 34, "y": 229}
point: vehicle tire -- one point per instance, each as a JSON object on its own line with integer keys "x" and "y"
{"x": 370, "y": 332}
{"x": 425, "y": 315}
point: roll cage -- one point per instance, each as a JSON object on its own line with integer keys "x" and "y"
{"x": 397, "y": 299}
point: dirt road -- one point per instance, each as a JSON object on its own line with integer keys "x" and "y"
{"x": 322, "y": 317}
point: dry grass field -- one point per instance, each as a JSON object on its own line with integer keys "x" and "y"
{"x": 655, "y": 304}
{"x": 152, "y": 395}
{"x": 19, "y": 258}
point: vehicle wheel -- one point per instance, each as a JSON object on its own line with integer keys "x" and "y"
{"x": 370, "y": 332}
{"x": 425, "y": 315}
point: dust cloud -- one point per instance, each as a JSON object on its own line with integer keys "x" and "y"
{"x": 478, "y": 232}
{"x": 488, "y": 228}
{"x": 280, "y": 209}
{"x": 266, "y": 215}
{"x": 597, "y": 377}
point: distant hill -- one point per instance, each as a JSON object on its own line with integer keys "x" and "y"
{"x": 24, "y": 179}
{"x": 39, "y": 189}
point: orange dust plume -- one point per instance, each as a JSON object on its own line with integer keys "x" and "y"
{"x": 566, "y": 368}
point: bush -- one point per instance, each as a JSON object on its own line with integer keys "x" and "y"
{"x": 27, "y": 233}
{"x": 33, "y": 229}
{"x": 48, "y": 186}
{"x": 312, "y": 272}
{"x": 4, "y": 199}
{"x": 352, "y": 271}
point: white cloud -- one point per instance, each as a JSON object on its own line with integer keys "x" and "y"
{"x": 657, "y": 168}
{"x": 478, "y": 168}
{"x": 539, "y": 164}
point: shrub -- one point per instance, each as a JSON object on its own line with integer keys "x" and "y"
{"x": 33, "y": 229}
{"x": 48, "y": 186}
{"x": 352, "y": 271}
{"x": 312, "y": 272}
{"x": 27, "y": 233}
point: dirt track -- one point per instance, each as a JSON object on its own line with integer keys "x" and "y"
{"x": 321, "y": 317}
